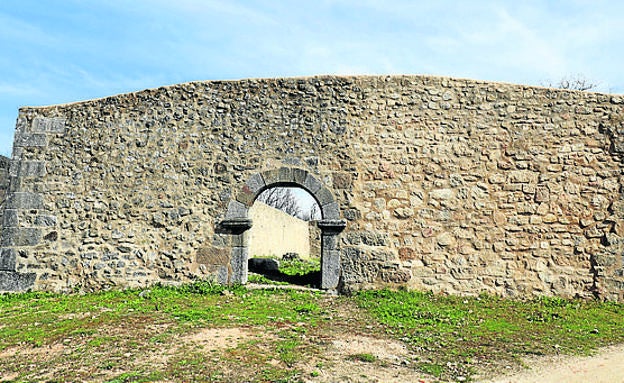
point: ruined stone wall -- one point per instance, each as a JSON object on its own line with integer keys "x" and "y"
{"x": 447, "y": 185}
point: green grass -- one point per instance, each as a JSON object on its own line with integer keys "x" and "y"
{"x": 111, "y": 336}
{"x": 304, "y": 272}
{"x": 299, "y": 267}
{"x": 364, "y": 357}
{"x": 452, "y": 329}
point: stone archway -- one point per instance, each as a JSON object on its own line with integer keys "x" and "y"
{"x": 237, "y": 221}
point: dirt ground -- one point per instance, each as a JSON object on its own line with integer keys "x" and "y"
{"x": 391, "y": 361}
{"x": 606, "y": 366}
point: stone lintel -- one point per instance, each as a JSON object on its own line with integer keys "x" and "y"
{"x": 235, "y": 226}
{"x": 332, "y": 226}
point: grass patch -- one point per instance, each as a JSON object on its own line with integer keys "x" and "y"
{"x": 300, "y": 267}
{"x": 363, "y": 357}
{"x": 456, "y": 331}
{"x": 303, "y": 272}
{"x": 143, "y": 335}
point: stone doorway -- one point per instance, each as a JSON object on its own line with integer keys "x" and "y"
{"x": 237, "y": 221}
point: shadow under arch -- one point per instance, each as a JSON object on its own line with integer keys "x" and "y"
{"x": 237, "y": 221}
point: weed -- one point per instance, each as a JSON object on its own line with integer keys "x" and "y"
{"x": 431, "y": 369}
{"x": 287, "y": 351}
{"x": 363, "y": 357}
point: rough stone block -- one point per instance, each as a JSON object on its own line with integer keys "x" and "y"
{"x": 239, "y": 265}
{"x": 395, "y": 276}
{"x": 255, "y": 184}
{"x": 236, "y": 210}
{"x": 7, "y": 259}
{"x": 20, "y": 237}
{"x": 32, "y": 169}
{"x": 342, "y": 180}
{"x": 330, "y": 211}
{"x": 10, "y": 218}
{"x": 521, "y": 176}
{"x": 212, "y": 256}
{"x": 24, "y": 200}
{"x": 311, "y": 184}
{"x": 13, "y": 281}
{"x": 31, "y": 140}
{"x": 330, "y": 270}
{"x": 48, "y": 125}
{"x": 324, "y": 196}
{"x": 45, "y": 220}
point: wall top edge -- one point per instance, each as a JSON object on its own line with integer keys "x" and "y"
{"x": 359, "y": 79}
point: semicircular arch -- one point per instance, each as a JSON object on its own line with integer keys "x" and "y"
{"x": 237, "y": 220}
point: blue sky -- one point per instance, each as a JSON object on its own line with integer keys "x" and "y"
{"x": 58, "y": 51}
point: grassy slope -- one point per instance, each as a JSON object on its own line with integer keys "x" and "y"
{"x": 140, "y": 335}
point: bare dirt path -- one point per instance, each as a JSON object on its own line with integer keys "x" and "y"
{"x": 607, "y": 366}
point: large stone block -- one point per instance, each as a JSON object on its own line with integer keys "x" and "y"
{"x": 7, "y": 259}
{"x": 330, "y": 269}
{"x": 32, "y": 169}
{"x": 48, "y": 125}
{"x": 14, "y": 282}
{"x": 13, "y": 236}
{"x": 24, "y": 200}
{"x": 31, "y": 140}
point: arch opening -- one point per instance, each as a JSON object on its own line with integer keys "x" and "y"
{"x": 238, "y": 222}
{"x": 284, "y": 240}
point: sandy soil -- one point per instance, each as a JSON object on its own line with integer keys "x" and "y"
{"x": 393, "y": 361}
{"x": 607, "y": 366}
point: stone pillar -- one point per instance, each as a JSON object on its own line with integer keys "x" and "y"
{"x": 330, "y": 252}
{"x": 238, "y": 228}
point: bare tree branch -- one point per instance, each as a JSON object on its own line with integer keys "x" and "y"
{"x": 577, "y": 82}
{"x": 284, "y": 199}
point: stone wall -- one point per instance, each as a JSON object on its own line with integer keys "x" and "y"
{"x": 275, "y": 233}
{"x": 448, "y": 185}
